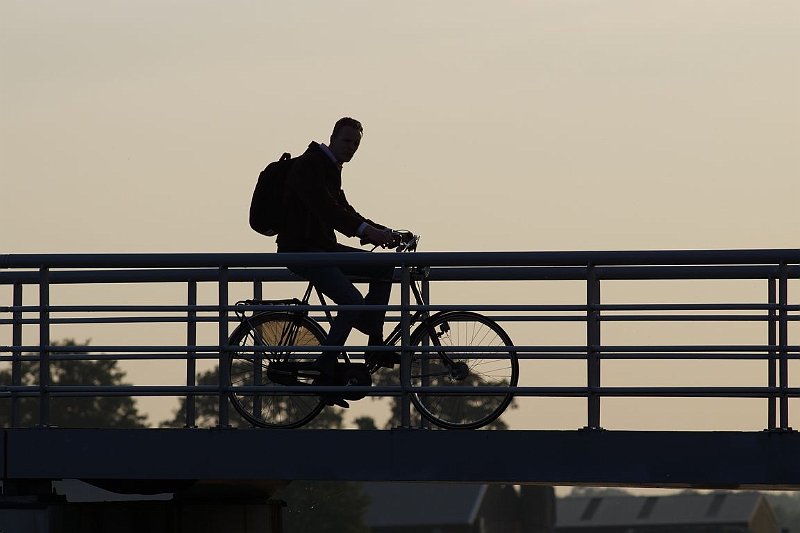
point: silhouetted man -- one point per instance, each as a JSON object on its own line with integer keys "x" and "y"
{"x": 316, "y": 207}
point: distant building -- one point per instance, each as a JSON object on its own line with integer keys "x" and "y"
{"x": 729, "y": 512}
{"x": 486, "y": 508}
{"x": 459, "y": 508}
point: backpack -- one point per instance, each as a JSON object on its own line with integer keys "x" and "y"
{"x": 266, "y": 207}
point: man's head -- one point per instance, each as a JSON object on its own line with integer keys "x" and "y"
{"x": 345, "y": 138}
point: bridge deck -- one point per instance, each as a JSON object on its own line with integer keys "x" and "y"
{"x": 667, "y": 459}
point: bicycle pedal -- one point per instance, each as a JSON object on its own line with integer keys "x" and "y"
{"x": 347, "y": 374}
{"x": 290, "y": 373}
{"x": 282, "y": 377}
{"x": 355, "y": 375}
{"x": 383, "y": 359}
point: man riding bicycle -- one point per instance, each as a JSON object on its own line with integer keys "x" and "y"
{"x": 315, "y": 208}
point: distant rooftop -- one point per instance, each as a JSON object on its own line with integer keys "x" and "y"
{"x": 681, "y": 509}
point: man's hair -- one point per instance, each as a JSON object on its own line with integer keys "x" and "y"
{"x": 344, "y": 123}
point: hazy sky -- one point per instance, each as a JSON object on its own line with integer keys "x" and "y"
{"x": 525, "y": 125}
{"x": 521, "y": 125}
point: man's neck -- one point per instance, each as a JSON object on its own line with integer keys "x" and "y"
{"x": 332, "y": 157}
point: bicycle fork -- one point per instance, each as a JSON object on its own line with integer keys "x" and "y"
{"x": 456, "y": 370}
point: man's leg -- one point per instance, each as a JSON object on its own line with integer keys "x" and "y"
{"x": 371, "y": 322}
{"x": 334, "y": 284}
{"x": 380, "y": 289}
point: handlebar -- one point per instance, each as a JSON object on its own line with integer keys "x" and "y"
{"x": 402, "y": 241}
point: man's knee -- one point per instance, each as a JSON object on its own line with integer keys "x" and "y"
{"x": 352, "y": 297}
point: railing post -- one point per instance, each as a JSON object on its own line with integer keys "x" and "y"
{"x": 424, "y": 370}
{"x": 257, "y": 289}
{"x": 772, "y": 325}
{"x": 16, "y": 364}
{"x": 44, "y": 346}
{"x": 191, "y": 354}
{"x": 593, "y": 347}
{"x": 224, "y": 371}
{"x": 405, "y": 360}
{"x": 783, "y": 342}
{"x": 258, "y": 360}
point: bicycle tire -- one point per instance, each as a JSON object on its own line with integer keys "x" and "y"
{"x": 491, "y": 369}
{"x": 285, "y": 411}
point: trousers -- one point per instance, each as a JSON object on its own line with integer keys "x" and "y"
{"x": 335, "y": 283}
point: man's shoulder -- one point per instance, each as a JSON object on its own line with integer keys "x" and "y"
{"x": 314, "y": 151}
{"x": 313, "y": 160}
{"x": 311, "y": 157}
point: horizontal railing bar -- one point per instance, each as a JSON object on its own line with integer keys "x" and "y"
{"x": 461, "y": 259}
{"x": 694, "y": 348}
{"x": 497, "y": 318}
{"x": 483, "y": 273}
{"x": 284, "y": 308}
{"x": 577, "y": 308}
{"x": 278, "y": 274}
{"x": 759, "y": 392}
{"x": 211, "y": 390}
{"x": 150, "y": 275}
{"x": 693, "y": 356}
{"x": 688, "y": 307}
{"x": 209, "y": 319}
{"x": 454, "y": 348}
{"x": 396, "y": 307}
{"x": 690, "y": 318}
{"x": 114, "y": 320}
{"x": 566, "y": 273}
{"x": 114, "y": 357}
{"x": 522, "y": 355}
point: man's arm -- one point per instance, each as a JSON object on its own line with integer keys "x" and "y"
{"x": 369, "y": 231}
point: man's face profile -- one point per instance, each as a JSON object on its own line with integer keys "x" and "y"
{"x": 345, "y": 143}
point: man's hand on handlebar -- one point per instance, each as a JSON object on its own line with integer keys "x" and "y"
{"x": 378, "y": 237}
{"x": 400, "y": 240}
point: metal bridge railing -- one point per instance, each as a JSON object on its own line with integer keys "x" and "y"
{"x": 775, "y": 268}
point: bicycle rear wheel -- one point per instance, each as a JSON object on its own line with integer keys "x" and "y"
{"x": 248, "y": 368}
{"x": 493, "y": 368}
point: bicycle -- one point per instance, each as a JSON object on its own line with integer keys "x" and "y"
{"x": 267, "y": 334}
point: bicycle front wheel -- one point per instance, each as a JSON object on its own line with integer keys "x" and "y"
{"x": 265, "y": 334}
{"x": 462, "y": 368}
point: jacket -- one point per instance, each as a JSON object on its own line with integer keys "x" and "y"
{"x": 315, "y": 205}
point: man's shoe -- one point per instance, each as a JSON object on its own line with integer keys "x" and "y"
{"x": 331, "y": 400}
{"x": 382, "y": 359}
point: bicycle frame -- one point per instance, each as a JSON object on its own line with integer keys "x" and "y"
{"x": 289, "y": 335}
